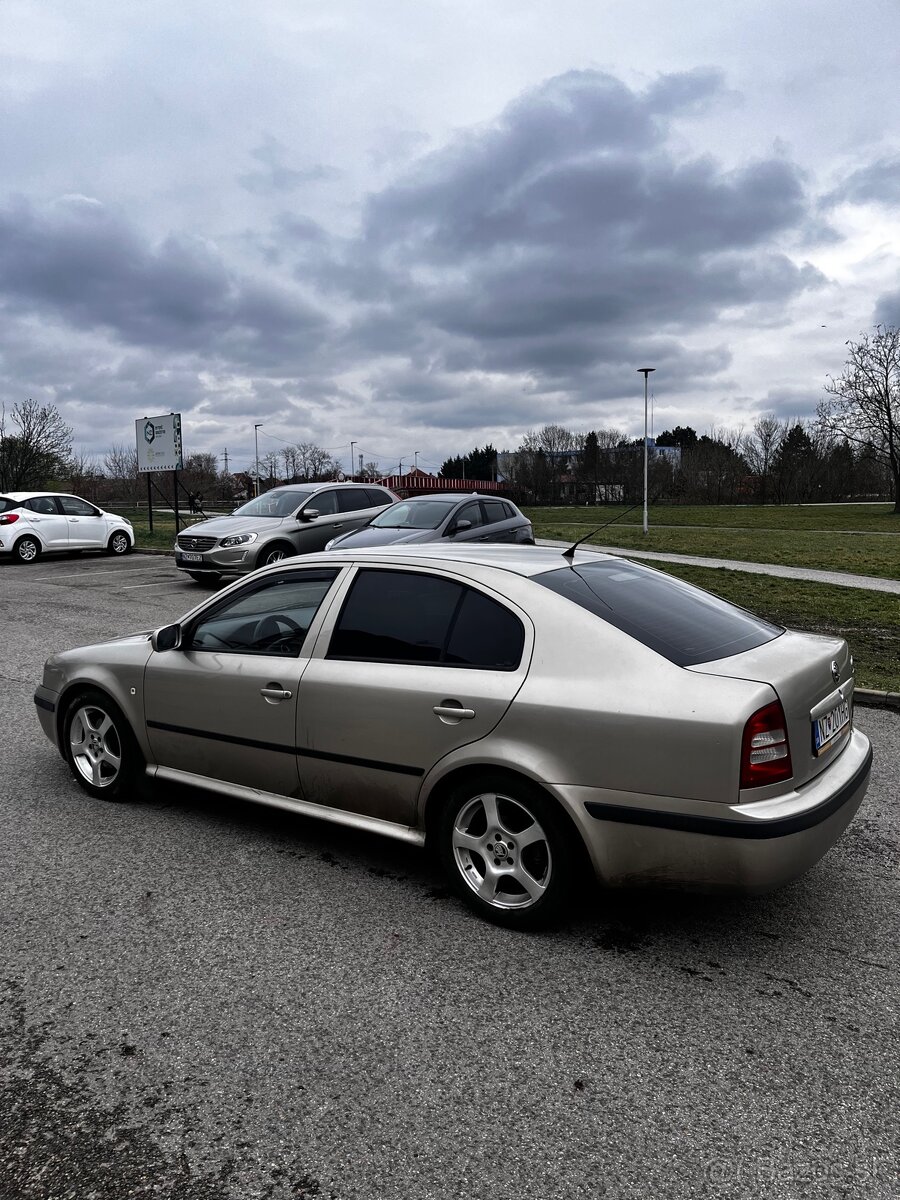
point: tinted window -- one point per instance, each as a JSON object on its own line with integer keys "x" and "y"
{"x": 73, "y": 507}
{"x": 681, "y": 622}
{"x": 399, "y": 616}
{"x": 377, "y": 498}
{"x": 42, "y": 504}
{"x": 485, "y": 634}
{"x": 496, "y": 510}
{"x": 272, "y": 618}
{"x": 6, "y": 504}
{"x": 352, "y": 499}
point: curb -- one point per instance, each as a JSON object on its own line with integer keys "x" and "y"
{"x": 870, "y": 698}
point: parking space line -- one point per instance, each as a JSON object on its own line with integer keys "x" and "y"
{"x": 130, "y": 587}
{"x": 106, "y": 571}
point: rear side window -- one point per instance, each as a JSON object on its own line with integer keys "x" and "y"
{"x": 401, "y": 616}
{"x": 377, "y": 498}
{"x": 681, "y": 622}
{"x": 352, "y": 499}
{"x": 43, "y": 504}
{"x": 496, "y": 510}
{"x": 6, "y": 504}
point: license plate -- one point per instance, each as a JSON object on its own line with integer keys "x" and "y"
{"x": 191, "y": 557}
{"x": 829, "y": 728}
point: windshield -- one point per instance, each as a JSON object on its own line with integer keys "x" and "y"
{"x": 280, "y": 502}
{"x": 683, "y": 623}
{"x": 415, "y": 514}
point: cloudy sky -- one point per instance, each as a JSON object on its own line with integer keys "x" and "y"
{"x": 427, "y": 224}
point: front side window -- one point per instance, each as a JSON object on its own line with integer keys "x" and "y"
{"x": 401, "y": 616}
{"x": 73, "y": 507}
{"x": 679, "y": 621}
{"x": 269, "y": 618}
{"x": 470, "y": 512}
{"x": 324, "y": 503}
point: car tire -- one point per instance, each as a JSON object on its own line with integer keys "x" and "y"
{"x": 480, "y": 834}
{"x": 27, "y": 550}
{"x": 274, "y": 553}
{"x": 206, "y": 577}
{"x": 118, "y": 544}
{"x": 100, "y": 748}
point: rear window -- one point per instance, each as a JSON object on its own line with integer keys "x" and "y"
{"x": 683, "y": 623}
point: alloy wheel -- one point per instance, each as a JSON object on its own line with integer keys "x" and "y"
{"x": 95, "y": 746}
{"x": 502, "y": 851}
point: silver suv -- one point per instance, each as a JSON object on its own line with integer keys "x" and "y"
{"x": 294, "y": 519}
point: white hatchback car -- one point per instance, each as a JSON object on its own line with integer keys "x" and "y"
{"x": 35, "y": 523}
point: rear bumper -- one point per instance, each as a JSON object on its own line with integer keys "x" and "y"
{"x": 745, "y": 847}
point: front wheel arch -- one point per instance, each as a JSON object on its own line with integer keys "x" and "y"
{"x": 131, "y": 775}
{"x": 281, "y": 549}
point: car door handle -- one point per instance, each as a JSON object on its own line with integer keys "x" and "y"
{"x": 453, "y": 712}
{"x": 275, "y": 692}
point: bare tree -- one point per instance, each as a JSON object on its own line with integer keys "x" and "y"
{"x": 121, "y": 466}
{"x": 39, "y": 451}
{"x": 760, "y": 448}
{"x": 863, "y": 402}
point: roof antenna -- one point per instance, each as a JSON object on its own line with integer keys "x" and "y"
{"x": 570, "y": 553}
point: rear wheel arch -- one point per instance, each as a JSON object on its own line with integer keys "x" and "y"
{"x": 21, "y": 554}
{"x": 569, "y": 867}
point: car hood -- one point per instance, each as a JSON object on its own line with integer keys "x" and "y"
{"x": 226, "y": 526}
{"x": 371, "y": 536}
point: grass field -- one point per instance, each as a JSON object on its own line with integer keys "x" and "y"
{"x": 861, "y": 538}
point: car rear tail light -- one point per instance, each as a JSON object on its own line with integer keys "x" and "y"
{"x": 766, "y": 752}
{"x": 8, "y": 518}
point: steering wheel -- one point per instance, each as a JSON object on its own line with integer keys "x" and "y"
{"x": 277, "y": 630}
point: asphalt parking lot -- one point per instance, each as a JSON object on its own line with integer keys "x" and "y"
{"x": 203, "y": 999}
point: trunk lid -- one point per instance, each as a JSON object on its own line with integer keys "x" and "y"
{"x": 813, "y": 677}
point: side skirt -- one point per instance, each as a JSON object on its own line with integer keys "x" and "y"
{"x": 337, "y": 816}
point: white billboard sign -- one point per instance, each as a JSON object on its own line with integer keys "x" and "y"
{"x": 158, "y": 441}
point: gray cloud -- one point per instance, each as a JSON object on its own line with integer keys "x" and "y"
{"x": 80, "y": 264}
{"x": 875, "y": 183}
{"x": 276, "y": 176}
{"x": 564, "y": 237}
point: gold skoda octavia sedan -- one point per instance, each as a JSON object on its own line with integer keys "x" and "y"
{"x": 532, "y": 717}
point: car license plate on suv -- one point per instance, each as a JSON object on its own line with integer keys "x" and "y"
{"x": 191, "y": 557}
{"x": 829, "y": 727}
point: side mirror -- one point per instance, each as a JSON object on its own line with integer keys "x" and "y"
{"x": 167, "y": 638}
{"x": 307, "y": 514}
{"x": 459, "y": 527}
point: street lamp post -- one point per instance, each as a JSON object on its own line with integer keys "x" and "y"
{"x": 645, "y": 371}
{"x": 416, "y": 464}
{"x": 352, "y": 472}
{"x": 256, "y": 429}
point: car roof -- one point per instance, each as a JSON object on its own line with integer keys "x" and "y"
{"x": 522, "y": 560}
{"x": 454, "y": 496}
{"x": 31, "y": 495}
